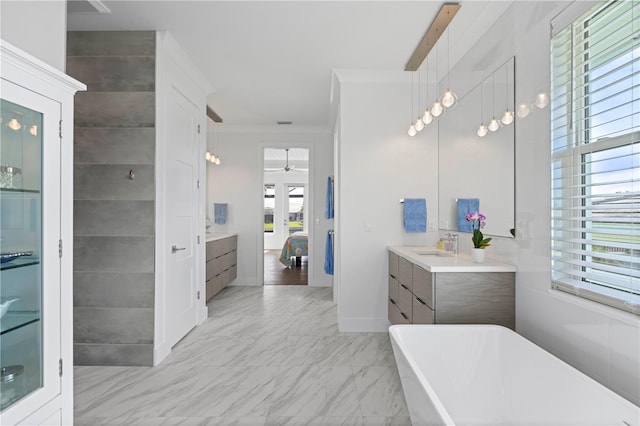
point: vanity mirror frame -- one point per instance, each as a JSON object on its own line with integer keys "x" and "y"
{"x": 470, "y": 166}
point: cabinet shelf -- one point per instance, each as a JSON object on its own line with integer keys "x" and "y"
{"x": 20, "y": 262}
{"x": 15, "y": 320}
{"x": 19, "y": 191}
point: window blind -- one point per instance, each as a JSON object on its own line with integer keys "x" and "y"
{"x": 595, "y": 156}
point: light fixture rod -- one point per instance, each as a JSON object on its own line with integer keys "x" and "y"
{"x": 430, "y": 38}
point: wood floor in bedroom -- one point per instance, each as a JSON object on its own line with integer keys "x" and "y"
{"x": 275, "y": 273}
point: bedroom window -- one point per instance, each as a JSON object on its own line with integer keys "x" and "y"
{"x": 595, "y": 156}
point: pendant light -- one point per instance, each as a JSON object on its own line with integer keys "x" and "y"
{"x": 437, "y": 109}
{"x": 412, "y": 127}
{"x": 419, "y": 123}
{"x": 448, "y": 98}
{"x": 507, "y": 117}
{"x": 493, "y": 124}
{"x": 523, "y": 110}
{"x": 427, "y": 117}
{"x": 542, "y": 100}
{"x": 482, "y": 130}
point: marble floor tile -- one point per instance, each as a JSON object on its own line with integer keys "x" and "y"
{"x": 315, "y": 391}
{"x": 380, "y": 391}
{"x": 265, "y": 356}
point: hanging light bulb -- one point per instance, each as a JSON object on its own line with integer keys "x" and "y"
{"x": 449, "y": 99}
{"x": 507, "y": 118}
{"x": 208, "y": 156}
{"x": 523, "y": 110}
{"x": 217, "y": 161}
{"x": 427, "y": 117}
{"x": 493, "y": 125}
{"x": 412, "y": 130}
{"x": 33, "y": 130}
{"x": 542, "y": 100}
{"x": 419, "y": 124}
{"x": 437, "y": 109}
{"x": 14, "y": 124}
{"x": 482, "y": 130}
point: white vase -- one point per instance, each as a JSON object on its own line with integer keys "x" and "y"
{"x": 478, "y": 255}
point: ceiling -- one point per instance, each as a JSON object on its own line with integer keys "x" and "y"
{"x": 270, "y": 61}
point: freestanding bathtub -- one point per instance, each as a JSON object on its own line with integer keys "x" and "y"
{"x": 490, "y": 375}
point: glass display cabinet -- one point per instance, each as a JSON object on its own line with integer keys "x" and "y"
{"x": 21, "y": 278}
{"x": 36, "y": 205}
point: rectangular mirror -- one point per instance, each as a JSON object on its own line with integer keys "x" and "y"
{"x": 474, "y": 170}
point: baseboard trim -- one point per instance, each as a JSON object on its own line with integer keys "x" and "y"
{"x": 363, "y": 325}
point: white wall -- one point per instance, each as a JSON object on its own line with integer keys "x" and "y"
{"x": 238, "y": 182}
{"x": 378, "y": 165}
{"x": 602, "y": 342}
{"x": 37, "y": 27}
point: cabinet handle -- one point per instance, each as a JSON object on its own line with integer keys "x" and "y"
{"x": 404, "y": 316}
{"x": 404, "y": 286}
{"x": 392, "y": 301}
{"x": 420, "y": 301}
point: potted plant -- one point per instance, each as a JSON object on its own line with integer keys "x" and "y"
{"x": 478, "y": 221}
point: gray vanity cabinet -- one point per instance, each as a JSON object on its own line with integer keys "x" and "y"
{"x": 418, "y": 296}
{"x": 221, "y": 267}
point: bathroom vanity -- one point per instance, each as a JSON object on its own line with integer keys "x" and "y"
{"x": 222, "y": 262}
{"x": 431, "y": 286}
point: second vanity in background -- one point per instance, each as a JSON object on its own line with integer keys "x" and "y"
{"x": 429, "y": 286}
{"x": 222, "y": 260}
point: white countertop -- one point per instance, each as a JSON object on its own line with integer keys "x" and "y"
{"x": 435, "y": 260}
{"x": 214, "y": 236}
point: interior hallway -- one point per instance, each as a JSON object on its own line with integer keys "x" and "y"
{"x": 267, "y": 355}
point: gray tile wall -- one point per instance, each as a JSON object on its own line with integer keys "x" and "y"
{"x": 114, "y": 215}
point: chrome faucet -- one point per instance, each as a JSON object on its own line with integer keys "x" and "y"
{"x": 455, "y": 247}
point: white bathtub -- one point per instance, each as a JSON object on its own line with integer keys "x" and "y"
{"x": 490, "y": 375}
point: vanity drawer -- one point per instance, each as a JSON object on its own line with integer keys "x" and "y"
{"x": 405, "y": 301}
{"x": 405, "y": 273}
{"x": 396, "y": 316}
{"x": 422, "y": 314}
{"x": 423, "y": 285}
{"x": 394, "y": 288}
{"x": 210, "y": 270}
{"x": 210, "y": 250}
{"x": 393, "y": 264}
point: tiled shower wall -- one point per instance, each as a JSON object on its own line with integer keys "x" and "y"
{"x": 113, "y": 211}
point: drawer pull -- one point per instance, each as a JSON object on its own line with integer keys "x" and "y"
{"x": 404, "y": 316}
{"x": 404, "y": 286}
{"x": 420, "y": 301}
{"x": 392, "y": 301}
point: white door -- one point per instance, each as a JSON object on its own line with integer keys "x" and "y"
{"x": 182, "y": 213}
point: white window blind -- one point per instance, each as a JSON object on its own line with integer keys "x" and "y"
{"x": 595, "y": 158}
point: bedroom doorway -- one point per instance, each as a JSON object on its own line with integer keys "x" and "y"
{"x": 286, "y": 176}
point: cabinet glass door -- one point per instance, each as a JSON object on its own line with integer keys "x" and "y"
{"x": 20, "y": 247}
{"x": 29, "y": 264}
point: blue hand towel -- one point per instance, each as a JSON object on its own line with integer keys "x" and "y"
{"x": 466, "y": 206}
{"x": 328, "y": 208}
{"x": 415, "y": 215}
{"x": 220, "y": 213}
{"x": 328, "y": 254}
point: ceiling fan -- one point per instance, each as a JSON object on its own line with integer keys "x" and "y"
{"x": 287, "y": 168}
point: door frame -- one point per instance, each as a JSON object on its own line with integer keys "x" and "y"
{"x": 309, "y": 208}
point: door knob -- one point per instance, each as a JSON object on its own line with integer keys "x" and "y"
{"x": 176, "y": 248}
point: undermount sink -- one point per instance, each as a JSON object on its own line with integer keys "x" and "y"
{"x": 427, "y": 252}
